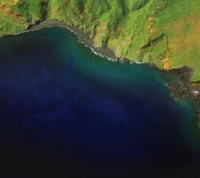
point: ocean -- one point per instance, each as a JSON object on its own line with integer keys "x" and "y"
{"x": 66, "y": 112}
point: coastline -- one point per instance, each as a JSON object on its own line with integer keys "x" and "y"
{"x": 82, "y": 37}
{"x": 184, "y": 73}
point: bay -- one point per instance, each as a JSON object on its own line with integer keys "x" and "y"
{"x": 66, "y": 111}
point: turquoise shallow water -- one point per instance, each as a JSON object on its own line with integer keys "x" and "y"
{"x": 65, "y": 110}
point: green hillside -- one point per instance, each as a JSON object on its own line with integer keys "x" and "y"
{"x": 162, "y": 32}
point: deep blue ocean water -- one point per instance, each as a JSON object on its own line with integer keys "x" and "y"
{"x": 67, "y": 112}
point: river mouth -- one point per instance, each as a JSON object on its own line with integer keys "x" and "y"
{"x": 66, "y": 111}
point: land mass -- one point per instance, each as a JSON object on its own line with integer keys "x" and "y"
{"x": 161, "y": 32}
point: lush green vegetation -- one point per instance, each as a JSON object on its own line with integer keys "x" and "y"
{"x": 162, "y": 32}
